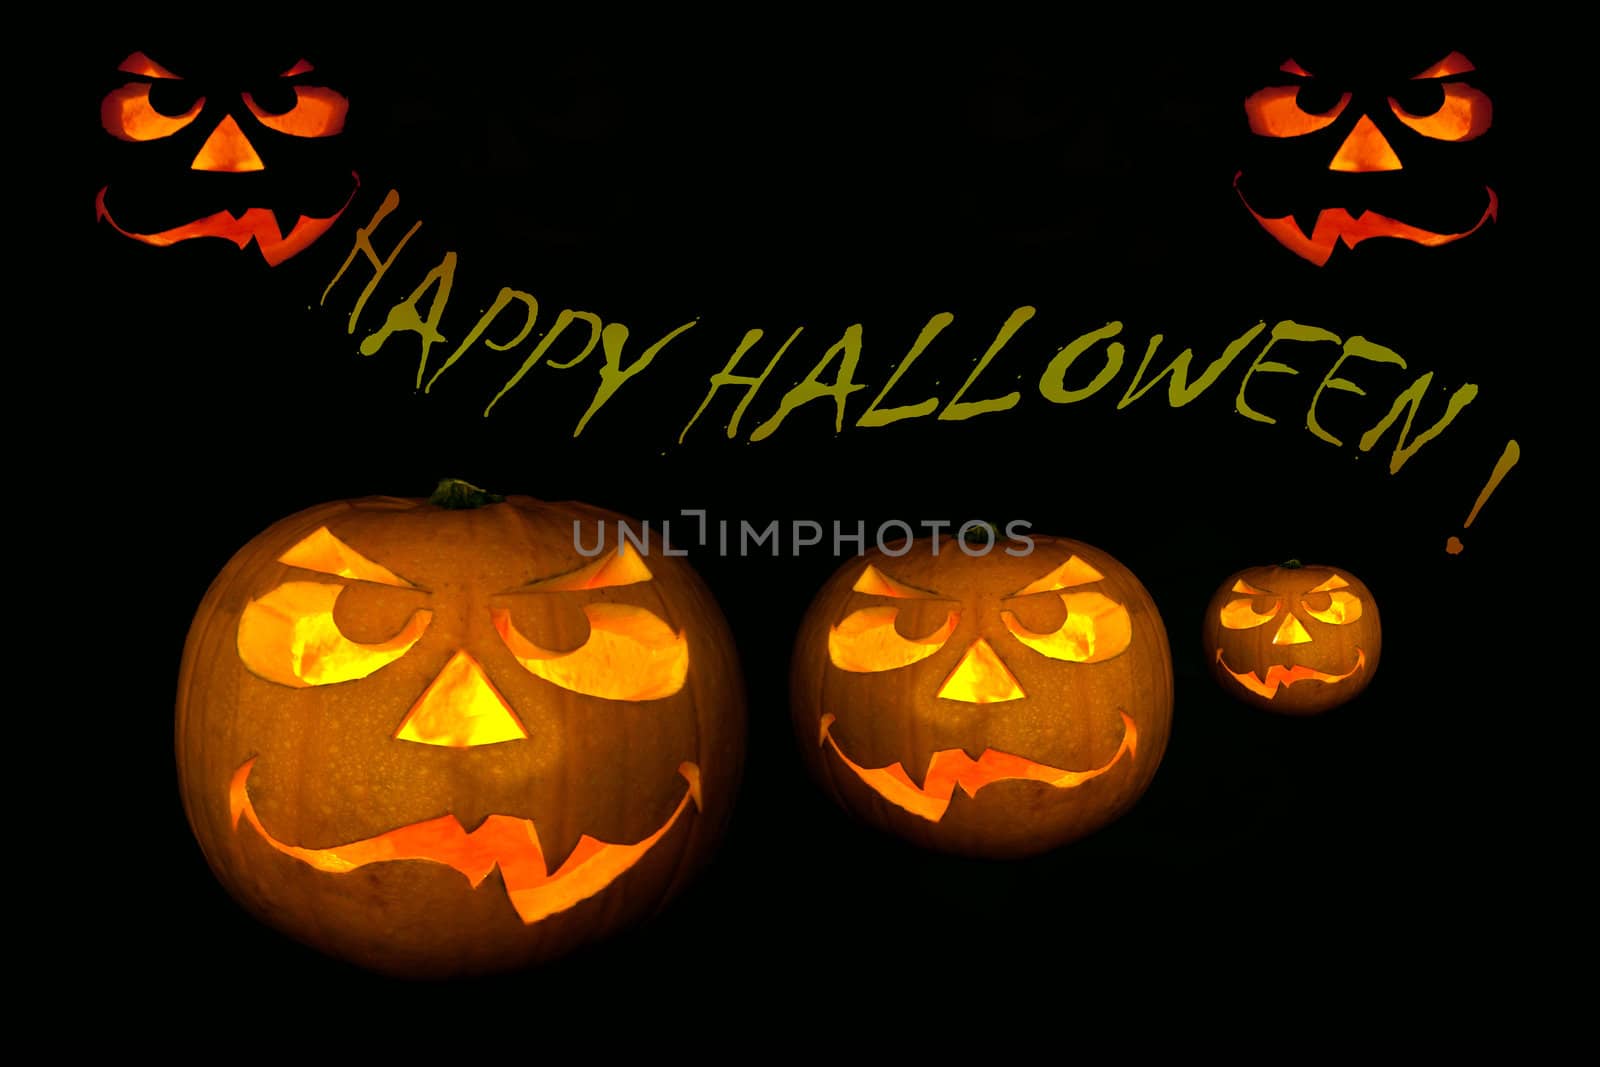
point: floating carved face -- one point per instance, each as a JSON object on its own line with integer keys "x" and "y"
{"x": 992, "y": 706}
{"x": 1293, "y": 639}
{"x": 438, "y": 741}
{"x": 1346, "y": 152}
{"x": 247, "y": 150}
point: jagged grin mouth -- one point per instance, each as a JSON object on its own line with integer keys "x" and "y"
{"x": 1336, "y": 224}
{"x": 504, "y": 841}
{"x": 950, "y": 767}
{"x": 1280, "y": 674}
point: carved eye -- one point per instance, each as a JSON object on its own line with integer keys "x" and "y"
{"x": 1241, "y": 614}
{"x": 631, "y": 654}
{"x": 1292, "y": 110}
{"x": 1096, "y": 628}
{"x": 1463, "y": 113}
{"x": 315, "y": 112}
{"x": 128, "y": 115}
{"x": 866, "y": 640}
{"x": 288, "y": 636}
{"x": 1330, "y": 602}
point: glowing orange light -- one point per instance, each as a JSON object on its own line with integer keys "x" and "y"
{"x": 1096, "y": 629}
{"x": 126, "y": 114}
{"x": 1465, "y": 115}
{"x": 617, "y": 568}
{"x": 1365, "y": 150}
{"x": 1073, "y": 572}
{"x": 1279, "y": 674}
{"x": 1451, "y": 65}
{"x": 142, "y": 65}
{"x": 949, "y": 768}
{"x": 980, "y": 678}
{"x": 866, "y": 640}
{"x": 324, "y": 553}
{"x": 256, "y": 224}
{"x": 317, "y": 112}
{"x": 631, "y": 654}
{"x": 875, "y": 583}
{"x": 227, "y": 150}
{"x": 461, "y": 709}
{"x": 1334, "y": 225}
{"x": 288, "y": 636}
{"x": 1275, "y": 112}
{"x": 503, "y": 841}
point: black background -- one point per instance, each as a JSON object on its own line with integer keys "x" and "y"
{"x": 1398, "y": 862}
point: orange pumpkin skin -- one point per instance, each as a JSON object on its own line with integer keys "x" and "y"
{"x": 1103, "y": 724}
{"x": 1293, "y": 639}
{"x": 327, "y": 775}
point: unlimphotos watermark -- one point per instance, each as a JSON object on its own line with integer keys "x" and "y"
{"x": 893, "y": 537}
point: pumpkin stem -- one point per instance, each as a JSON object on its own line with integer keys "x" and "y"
{"x": 456, "y": 494}
{"x": 1291, "y": 564}
{"x": 973, "y": 533}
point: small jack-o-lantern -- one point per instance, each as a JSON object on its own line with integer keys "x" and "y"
{"x": 222, "y": 151}
{"x": 1347, "y": 152}
{"x": 1294, "y": 639}
{"x": 991, "y": 705}
{"x": 437, "y": 740}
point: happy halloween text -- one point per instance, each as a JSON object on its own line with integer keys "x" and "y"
{"x": 513, "y": 314}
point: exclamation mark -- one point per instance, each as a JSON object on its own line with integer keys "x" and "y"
{"x": 1508, "y": 459}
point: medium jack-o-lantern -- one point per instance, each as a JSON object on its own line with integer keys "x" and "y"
{"x": 1347, "y": 152}
{"x": 991, "y": 705}
{"x": 437, "y": 740}
{"x": 1294, "y": 639}
{"x": 222, "y": 151}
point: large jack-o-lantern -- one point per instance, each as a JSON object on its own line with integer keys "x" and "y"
{"x": 1293, "y": 638}
{"x": 1347, "y": 152}
{"x": 991, "y": 705}
{"x": 239, "y": 151}
{"x": 438, "y": 740}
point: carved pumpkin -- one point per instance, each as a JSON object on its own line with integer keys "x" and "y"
{"x": 220, "y": 152}
{"x": 991, "y": 705}
{"x": 1293, "y": 639}
{"x": 436, "y": 740}
{"x": 1346, "y": 153}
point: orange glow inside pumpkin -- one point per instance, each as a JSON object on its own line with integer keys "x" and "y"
{"x": 1275, "y": 112}
{"x": 949, "y": 768}
{"x": 503, "y": 841}
{"x": 288, "y": 636}
{"x": 126, "y": 114}
{"x": 461, "y": 709}
{"x": 317, "y": 112}
{"x": 326, "y": 554}
{"x": 618, "y": 568}
{"x": 1452, "y": 64}
{"x": 980, "y": 678}
{"x": 866, "y": 640}
{"x": 1465, "y": 114}
{"x": 874, "y": 582}
{"x": 227, "y": 149}
{"x": 1365, "y": 151}
{"x": 1073, "y": 572}
{"x": 631, "y": 654}
{"x": 1096, "y": 628}
{"x": 1278, "y": 674}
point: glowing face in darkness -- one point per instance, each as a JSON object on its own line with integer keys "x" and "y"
{"x": 991, "y": 706}
{"x": 230, "y": 136}
{"x": 1294, "y": 639}
{"x": 1303, "y": 106}
{"x": 453, "y": 712}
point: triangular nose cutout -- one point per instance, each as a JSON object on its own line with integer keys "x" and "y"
{"x": 1365, "y": 150}
{"x": 227, "y": 149}
{"x": 460, "y": 709}
{"x": 980, "y": 678}
{"x": 1290, "y": 632}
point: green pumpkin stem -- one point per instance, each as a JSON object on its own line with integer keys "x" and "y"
{"x": 1291, "y": 564}
{"x": 456, "y": 494}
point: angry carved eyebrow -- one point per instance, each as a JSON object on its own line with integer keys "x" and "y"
{"x": 142, "y": 65}
{"x": 875, "y": 583}
{"x": 1448, "y": 67}
{"x": 326, "y": 554}
{"x": 621, "y": 567}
